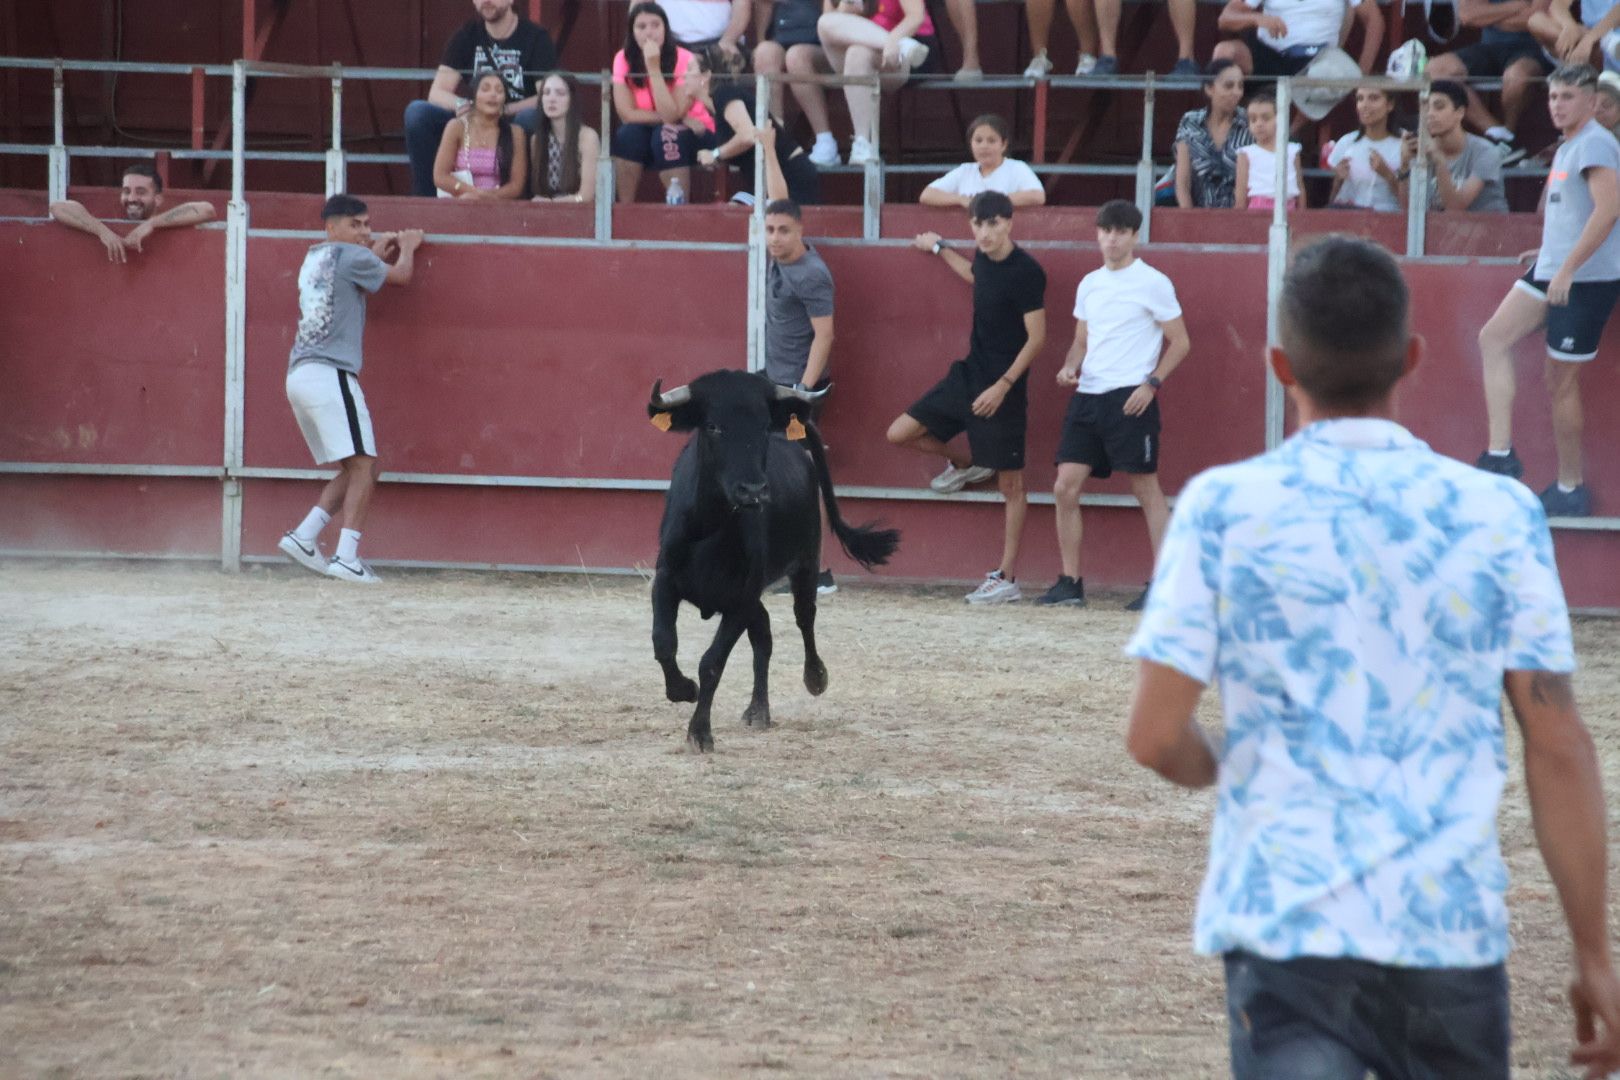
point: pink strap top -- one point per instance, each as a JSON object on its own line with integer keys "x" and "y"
{"x": 889, "y": 13}
{"x": 482, "y": 163}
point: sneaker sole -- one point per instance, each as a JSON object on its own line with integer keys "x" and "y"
{"x": 309, "y": 561}
{"x": 992, "y": 601}
{"x": 352, "y": 580}
{"x": 826, "y": 590}
{"x": 1061, "y": 603}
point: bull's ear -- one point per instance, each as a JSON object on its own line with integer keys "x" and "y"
{"x": 683, "y": 417}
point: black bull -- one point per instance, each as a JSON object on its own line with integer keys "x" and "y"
{"x": 742, "y": 512}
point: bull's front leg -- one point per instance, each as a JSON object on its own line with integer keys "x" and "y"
{"x": 758, "y": 713}
{"x": 699, "y": 739}
{"x": 666, "y": 604}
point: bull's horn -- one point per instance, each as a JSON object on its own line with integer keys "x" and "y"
{"x": 785, "y": 392}
{"x": 679, "y": 395}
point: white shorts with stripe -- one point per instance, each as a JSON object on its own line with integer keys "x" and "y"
{"x": 331, "y": 412}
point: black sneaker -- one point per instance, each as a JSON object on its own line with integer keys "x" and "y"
{"x": 1560, "y": 503}
{"x": 825, "y": 585}
{"x": 1141, "y": 601}
{"x": 1068, "y": 592}
{"x": 1507, "y": 464}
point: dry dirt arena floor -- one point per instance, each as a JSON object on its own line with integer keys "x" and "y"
{"x": 267, "y": 825}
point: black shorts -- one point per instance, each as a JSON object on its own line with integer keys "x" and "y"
{"x": 1574, "y": 329}
{"x": 1489, "y": 59}
{"x": 657, "y": 146}
{"x": 1097, "y": 432}
{"x": 1271, "y": 64}
{"x": 946, "y": 410}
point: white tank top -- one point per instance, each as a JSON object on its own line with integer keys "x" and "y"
{"x": 1263, "y": 171}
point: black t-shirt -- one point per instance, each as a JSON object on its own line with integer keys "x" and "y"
{"x": 526, "y": 50}
{"x": 725, "y": 92}
{"x": 1003, "y": 293}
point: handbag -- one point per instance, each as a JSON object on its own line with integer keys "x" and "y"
{"x": 464, "y": 175}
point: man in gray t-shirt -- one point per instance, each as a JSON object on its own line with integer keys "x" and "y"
{"x": 1465, "y": 171}
{"x": 1571, "y": 289}
{"x": 332, "y": 288}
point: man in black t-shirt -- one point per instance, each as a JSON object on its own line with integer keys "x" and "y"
{"x": 984, "y": 394}
{"x": 499, "y": 39}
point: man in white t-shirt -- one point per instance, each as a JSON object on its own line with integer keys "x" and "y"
{"x": 699, "y": 23}
{"x": 1125, "y": 313}
{"x": 1281, "y": 37}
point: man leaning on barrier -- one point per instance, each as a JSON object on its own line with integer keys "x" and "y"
{"x": 140, "y": 194}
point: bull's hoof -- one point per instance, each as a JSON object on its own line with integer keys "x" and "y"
{"x": 815, "y": 678}
{"x": 757, "y": 715}
{"x": 683, "y": 690}
{"x": 700, "y": 744}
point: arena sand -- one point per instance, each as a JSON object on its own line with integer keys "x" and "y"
{"x": 265, "y": 825}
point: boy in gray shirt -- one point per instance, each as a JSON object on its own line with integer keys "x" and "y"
{"x": 1465, "y": 171}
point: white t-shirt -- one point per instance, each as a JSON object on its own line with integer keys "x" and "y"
{"x": 1310, "y": 22}
{"x": 1263, "y": 171}
{"x": 1008, "y": 177}
{"x": 697, "y": 20}
{"x": 1123, "y": 310}
{"x": 1364, "y": 187}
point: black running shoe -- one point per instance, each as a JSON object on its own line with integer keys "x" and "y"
{"x": 1140, "y": 602}
{"x": 1507, "y": 464}
{"x": 1068, "y": 592}
{"x": 1560, "y": 503}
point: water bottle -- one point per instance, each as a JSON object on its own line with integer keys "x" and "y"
{"x": 675, "y": 195}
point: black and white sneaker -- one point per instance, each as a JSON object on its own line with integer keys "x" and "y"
{"x": 1141, "y": 601}
{"x": 1507, "y": 464}
{"x": 1068, "y": 592}
{"x": 356, "y": 571}
{"x": 825, "y": 585}
{"x": 1560, "y": 503}
{"x": 307, "y": 555}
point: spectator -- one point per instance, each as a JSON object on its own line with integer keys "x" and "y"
{"x": 712, "y": 80}
{"x": 479, "y": 156}
{"x": 897, "y": 41}
{"x": 1208, "y": 140}
{"x": 1124, "y": 314}
{"x": 1082, "y": 16}
{"x": 964, "y": 16}
{"x": 990, "y": 170}
{"x": 986, "y": 393}
{"x": 1571, "y": 290}
{"x": 1363, "y": 603}
{"x": 1506, "y": 50}
{"x": 1608, "y": 101}
{"x": 499, "y": 39}
{"x": 1280, "y": 37}
{"x": 790, "y": 44}
{"x": 660, "y": 124}
{"x": 1256, "y": 185}
{"x": 1183, "y": 19}
{"x": 140, "y": 194}
{"x": 1466, "y": 170}
{"x": 1365, "y": 162}
{"x": 1586, "y": 40}
{"x": 563, "y": 156}
{"x": 697, "y": 24}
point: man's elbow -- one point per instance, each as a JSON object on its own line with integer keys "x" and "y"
{"x": 62, "y": 207}
{"x": 204, "y": 211}
{"x": 1149, "y": 749}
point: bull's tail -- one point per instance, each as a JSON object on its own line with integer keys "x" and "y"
{"x": 866, "y": 544}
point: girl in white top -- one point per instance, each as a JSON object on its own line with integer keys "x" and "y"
{"x": 990, "y": 170}
{"x": 1257, "y": 164}
{"x": 1365, "y": 162}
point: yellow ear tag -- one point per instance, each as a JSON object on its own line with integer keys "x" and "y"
{"x": 795, "y": 430}
{"x": 661, "y": 421}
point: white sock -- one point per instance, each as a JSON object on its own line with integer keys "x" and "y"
{"x": 825, "y": 138}
{"x": 314, "y": 521}
{"x": 348, "y": 545}
{"x": 1500, "y": 453}
{"x": 1567, "y": 490}
{"x": 1499, "y": 133}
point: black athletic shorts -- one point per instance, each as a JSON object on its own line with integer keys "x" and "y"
{"x": 1489, "y": 59}
{"x": 1574, "y": 329}
{"x": 946, "y": 410}
{"x": 1271, "y": 64}
{"x": 1097, "y": 432}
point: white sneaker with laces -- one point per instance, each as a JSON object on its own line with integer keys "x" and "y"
{"x": 308, "y": 555}
{"x": 825, "y": 152}
{"x": 1039, "y": 67}
{"x": 356, "y": 571}
{"x": 995, "y": 589}
{"x": 953, "y": 479}
{"x": 861, "y": 151}
{"x": 1087, "y": 64}
{"x": 913, "y": 53}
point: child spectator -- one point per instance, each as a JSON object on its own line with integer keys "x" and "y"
{"x": 1208, "y": 140}
{"x": 897, "y": 41}
{"x": 1465, "y": 170}
{"x": 1364, "y": 162}
{"x": 1083, "y": 17}
{"x": 1256, "y": 186}
{"x": 565, "y": 151}
{"x": 792, "y": 45}
{"x": 479, "y": 156}
{"x": 712, "y": 81}
{"x": 990, "y": 170}
{"x": 659, "y": 121}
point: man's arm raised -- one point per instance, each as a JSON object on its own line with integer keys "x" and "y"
{"x": 182, "y": 216}
{"x": 71, "y": 213}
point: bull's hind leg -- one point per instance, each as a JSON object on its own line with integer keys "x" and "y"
{"x": 710, "y": 668}
{"x": 804, "y": 613}
{"x": 666, "y": 605}
{"x": 758, "y": 713}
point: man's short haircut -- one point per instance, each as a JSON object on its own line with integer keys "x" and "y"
{"x": 990, "y": 204}
{"x": 1450, "y": 89}
{"x": 784, "y": 206}
{"x": 1119, "y": 214}
{"x": 1575, "y": 75}
{"x": 1262, "y": 97}
{"x": 146, "y": 169}
{"x": 1344, "y": 321}
{"x": 342, "y": 206}
{"x": 994, "y": 123}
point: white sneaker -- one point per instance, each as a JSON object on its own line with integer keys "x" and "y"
{"x": 953, "y": 479}
{"x": 968, "y": 76}
{"x": 306, "y": 555}
{"x": 995, "y": 589}
{"x": 356, "y": 571}
{"x": 1610, "y": 46}
{"x": 1087, "y": 64}
{"x": 825, "y": 151}
{"x": 913, "y": 53}
{"x": 1040, "y": 67}
{"x": 861, "y": 151}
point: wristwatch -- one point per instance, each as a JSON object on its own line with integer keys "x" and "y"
{"x": 939, "y": 246}
{"x": 1154, "y": 382}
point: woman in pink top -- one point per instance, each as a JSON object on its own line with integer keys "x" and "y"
{"x": 660, "y": 125}
{"x": 478, "y": 156}
{"x": 897, "y": 41}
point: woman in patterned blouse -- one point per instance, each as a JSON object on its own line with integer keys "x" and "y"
{"x": 1208, "y": 140}
{"x": 563, "y": 151}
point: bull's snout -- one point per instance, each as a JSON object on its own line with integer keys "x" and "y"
{"x": 745, "y": 496}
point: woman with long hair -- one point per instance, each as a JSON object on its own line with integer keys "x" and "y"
{"x": 1208, "y": 140}
{"x": 659, "y": 123}
{"x": 479, "y": 157}
{"x": 1366, "y": 162}
{"x": 713, "y": 80}
{"x": 564, "y": 150}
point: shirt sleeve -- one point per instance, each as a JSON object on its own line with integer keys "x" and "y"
{"x": 1187, "y": 130}
{"x": 951, "y": 182}
{"x": 1539, "y": 638}
{"x": 1033, "y": 296}
{"x": 1487, "y": 165}
{"x": 1081, "y": 294}
{"x": 1599, "y": 153}
{"x": 816, "y": 293}
{"x": 1180, "y": 627}
{"x": 1023, "y": 177}
{"x": 1161, "y": 300}
{"x": 458, "y": 51}
{"x": 621, "y": 69}
{"x": 364, "y": 269}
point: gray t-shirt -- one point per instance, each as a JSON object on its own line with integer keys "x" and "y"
{"x": 795, "y": 293}
{"x": 1569, "y": 205}
{"x": 1478, "y": 158}
{"x": 332, "y": 287}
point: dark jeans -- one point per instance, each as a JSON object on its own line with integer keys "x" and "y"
{"x": 659, "y": 146}
{"x": 1332, "y": 1019}
{"x": 424, "y": 127}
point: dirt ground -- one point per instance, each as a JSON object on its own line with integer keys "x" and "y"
{"x": 266, "y": 825}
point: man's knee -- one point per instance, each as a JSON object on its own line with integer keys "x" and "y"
{"x": 803, "y": 59}
{"x": 1448, "y": 66}
{"x": 360, "y": 466}
{"x": 1563, "y": 378}
{"x": 1011, "y": 483}
{"x": 903, "y": 430}
{"x": 422, "y": 115}
{"x": 528, "y": 120}
{"x": 1145, "y": 486}
{"x": 1069, "y": 484}
{"x": 1235, "y": 51}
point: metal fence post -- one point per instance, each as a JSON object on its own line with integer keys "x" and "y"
{"x": 57, "y": 181}
{"x": 337, "y": 166}
{"x": 236, "y": 233}
{"x": 756, "y": 232}
{"x": 605, "y": 192}
{"x": 1144, "y": 167}
{"x": 1277, "y": 263}
{"x": 1417, "y": 187}
{"x": 872, "y": 191}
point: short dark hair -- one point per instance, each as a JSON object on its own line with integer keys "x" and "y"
{"x": 146, "y": 169}
{"x": 994, "y": 123}
{"x": 342, "y": 206}
{"x": 1216, "y": 66}
{"x": 1262, "y": 97}
{"x": 1344, "y": 324}
{"x": 989, "y": 204}
{"x": 1450, "y": 89}
{"x": 784, "y": 206}
{"x": 1575, "y": 75}
{"x": 1119, "y": 214}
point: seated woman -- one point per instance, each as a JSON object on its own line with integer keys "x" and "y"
{"x": 479, "y": 158}
{"x": 712, "y": 79}
{"x": 564, "y": 150}
{"x": 1366, "y": 161}
{"x": 897, "y": 41}
{"x": 1208, "y": 140}
{"x": 659, "y": 121}
{"x": 789, "y": 45}
{"x": 990, "y": 170}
